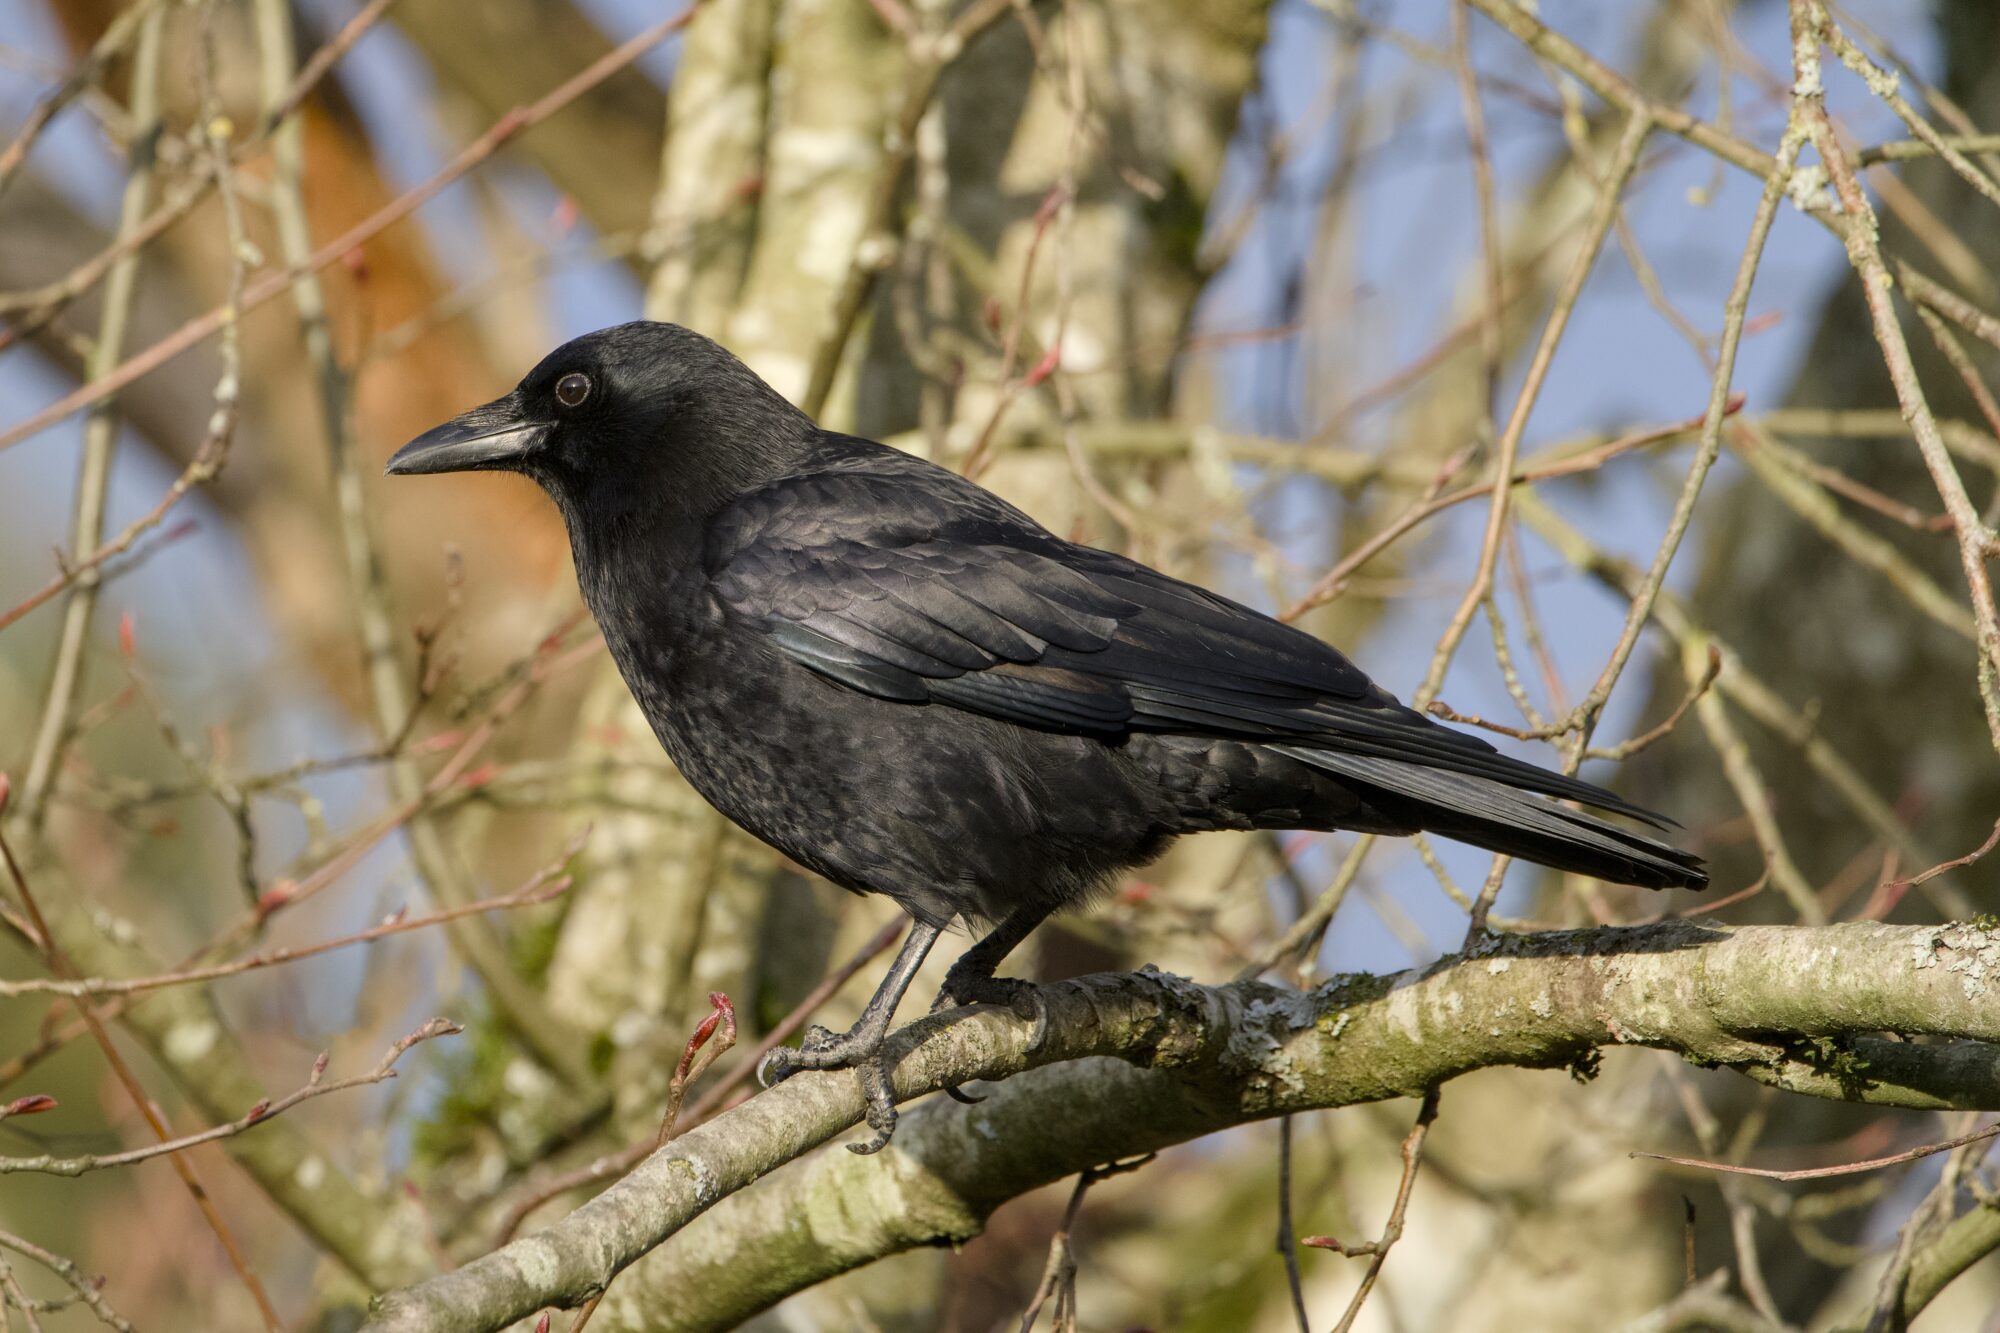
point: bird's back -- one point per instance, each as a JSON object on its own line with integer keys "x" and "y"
{"x": 908, "y": 685}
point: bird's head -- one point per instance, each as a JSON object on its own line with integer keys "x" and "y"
{"x": 646, "y": 410}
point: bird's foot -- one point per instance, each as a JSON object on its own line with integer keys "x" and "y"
{"x": 961, "y": 989}
{"x": 1022, "y": 998}
{"x": 878, "y": 1094}
{"x": 820, "y": 1049}
{"x": 824, "y": 1050}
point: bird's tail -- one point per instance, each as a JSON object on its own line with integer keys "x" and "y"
{"x": 1500, "y": 817}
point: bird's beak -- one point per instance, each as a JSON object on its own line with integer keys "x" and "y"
{"x": 494, "y": 436}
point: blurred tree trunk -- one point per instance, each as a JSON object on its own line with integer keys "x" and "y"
{"x": 775, "y": 133}
{"x": 276, "y": 483}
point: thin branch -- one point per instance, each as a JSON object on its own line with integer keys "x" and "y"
{"x": 1810, "y": 26}
{"x": 88, "y": 1289}
{"x": 1957, "y": 862}
{"x": 504, "y": 130}
{"x": 314, "y": 1086}
{"x": 1378, "y": 1249}
{"x": 1335, "y": 580}
{"x": 1605, "y": 212}
{"x": 1822, "y": 1172}
{"x": 100, "y": 431}
{"x": 618, "y": 1163}
{"x": 1288, "y": 1240}
{"x": 545, "y": 886}
{"x": 59, "y": 962}
{"x": 1059, "y": 1273}
{"x": 32, "y": 310}
{"x": 85, "y": 73}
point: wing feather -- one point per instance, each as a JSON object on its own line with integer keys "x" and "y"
{"x": 946, "y": 595}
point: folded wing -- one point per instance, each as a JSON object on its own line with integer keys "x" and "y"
{"x": 955, "y": 599}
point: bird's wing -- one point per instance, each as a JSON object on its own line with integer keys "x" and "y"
{"x": 942, "y": 594}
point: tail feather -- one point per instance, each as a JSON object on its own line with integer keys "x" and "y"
{"x": 1502, "y": 818}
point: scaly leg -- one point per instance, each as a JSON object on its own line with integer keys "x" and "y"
{"x": 971, "y": 979}
{"x": 859, "y": 1048}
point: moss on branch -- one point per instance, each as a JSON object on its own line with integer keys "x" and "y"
{"x": 1801, "y": 1008}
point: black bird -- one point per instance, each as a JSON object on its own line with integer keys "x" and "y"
{"x": 907, "y": 685}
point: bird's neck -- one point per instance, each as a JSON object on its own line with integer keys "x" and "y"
{"x": 630, "y": 548}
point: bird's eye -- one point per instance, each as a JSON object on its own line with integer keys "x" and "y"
{"x": 572, "y": 389}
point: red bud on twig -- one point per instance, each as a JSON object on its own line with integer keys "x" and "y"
{"x": 1044, "y": 367}
{"x": 271, "y": 899}
{"x": 33, "y": 1104}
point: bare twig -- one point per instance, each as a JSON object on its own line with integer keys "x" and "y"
{"x": 544, "y": 886}
{"x": 1957, "y": 862}
{"x": 314, "y": 1086}
{"x": 1288, "y": 1240}
{"x": 615, "y": 1164}
{"x": 1377, "y": 1250}
{"x": 88, "y": 1289}
{"x": 58, "y": 961}
{"x": 502, "y": 131}
{"x": 100, "y": 431}
{"x": 116, "y": 36}
{"x": 1059, "y": 1273}
{"x": 1822, "y": 1172}
{"x": 1336, "y": 579}
{"x": 1810, "y": 26}
{"x": 32, "y": 310}
{"x": 1604, "y": 213}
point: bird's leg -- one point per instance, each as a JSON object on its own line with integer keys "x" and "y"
{"x": 971, "y": 979}
{"x": 859, "y": 1048}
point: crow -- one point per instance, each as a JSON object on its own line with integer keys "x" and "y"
{"x": 908, "y": 686}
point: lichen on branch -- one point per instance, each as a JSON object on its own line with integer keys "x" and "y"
{"x": 1823, "y": 1011}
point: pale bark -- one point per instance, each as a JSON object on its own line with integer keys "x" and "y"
{"x": 1796, "y": 1008}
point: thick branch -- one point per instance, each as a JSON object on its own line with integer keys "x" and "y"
{"x": 1786, "y": 1005}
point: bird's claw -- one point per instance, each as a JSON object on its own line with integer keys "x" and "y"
{"x": 961, "y": 991}
{"x": 776, "y": 1066}
{"x": 824, "y": 1050}
{"x": 878, "y": 1092}
{"x": 1037, "y": 1013}
{"x": 1022, "y": 998}
{"x": 817, "y": 1038}
{"x": 820, "y": 1049}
